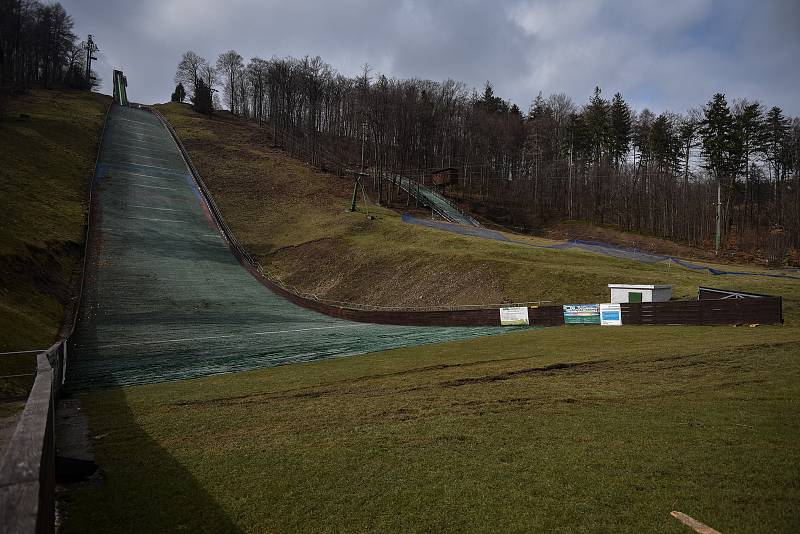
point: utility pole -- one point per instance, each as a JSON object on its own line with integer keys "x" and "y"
{"x": 358, "y": 175}
{"x": 719, "y": 217}
{"x": 91, "y": 48}
{"x": 363, "y": 128}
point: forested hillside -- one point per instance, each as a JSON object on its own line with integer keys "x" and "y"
{"x": 38, "y": 47}
{"x": 601, "y": 162}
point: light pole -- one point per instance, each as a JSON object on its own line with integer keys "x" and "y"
{"x": 91, "y": 48}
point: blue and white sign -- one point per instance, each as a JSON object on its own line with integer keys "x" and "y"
{"x": 611, "y": 315}
{"x": 581, "y": 314}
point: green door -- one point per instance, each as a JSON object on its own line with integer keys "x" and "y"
{"x": 634, "y": 297}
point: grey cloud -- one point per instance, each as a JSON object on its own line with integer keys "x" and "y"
{"x": 663, "y": 55}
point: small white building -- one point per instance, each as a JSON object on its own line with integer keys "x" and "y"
{"x": 621, "y": 293}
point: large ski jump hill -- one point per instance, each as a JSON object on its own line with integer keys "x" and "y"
{"x": 165, "y": 299}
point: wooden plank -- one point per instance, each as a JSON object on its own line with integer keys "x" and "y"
{"x": 764, "y": 310}
{"x": 27, "y": 488}
{"x": 693, "y": 524}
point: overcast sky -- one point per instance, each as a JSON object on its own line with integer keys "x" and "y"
{"x": 661, "y": 54}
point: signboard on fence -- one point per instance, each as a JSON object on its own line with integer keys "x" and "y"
{"x": 611, "y": 315}
{"x": 514, "y": 315}
{"x": 581, "y": 314}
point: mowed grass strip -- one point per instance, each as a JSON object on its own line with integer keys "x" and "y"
{"x": 49, "y": 141}
{"x": 575, "y": 429}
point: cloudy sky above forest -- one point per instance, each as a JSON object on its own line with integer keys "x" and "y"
{"x": 663, "y": 55}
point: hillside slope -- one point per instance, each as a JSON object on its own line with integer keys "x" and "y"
{"x": 294, "y": 219}
{"x": 49, "y": 141}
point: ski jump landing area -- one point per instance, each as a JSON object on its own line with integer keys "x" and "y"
{"x": 165, "y": 299}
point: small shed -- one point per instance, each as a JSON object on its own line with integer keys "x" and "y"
{"x": 448, "y": 175}
{"x": 623, "y": 293}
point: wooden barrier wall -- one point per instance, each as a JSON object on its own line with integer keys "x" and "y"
{"x": 763, "y": 310}
{"x": 541, "y": 316}
{"x": 707, "y": 311}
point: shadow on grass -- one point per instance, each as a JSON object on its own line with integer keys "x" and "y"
{"x": 140, "y": 486}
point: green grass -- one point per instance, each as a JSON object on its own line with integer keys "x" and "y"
{"x": 487, "y": 435}
{"x": 574, "y": 429}
{"x": 49, "y": 141}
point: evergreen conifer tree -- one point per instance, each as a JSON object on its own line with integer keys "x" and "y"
{"x": 717, "y": 133}
{"x": 620, "y": 129}
{"x": 776, "y": 147}
{"x": 202, "y": 99}
{"x": 599, "y": 125}
{"x": 179, "y": 94}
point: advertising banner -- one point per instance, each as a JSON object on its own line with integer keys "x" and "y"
{"x": 514, "y": 315}
{"x": 611, "y": 315}
{"x": 581, "y": 314}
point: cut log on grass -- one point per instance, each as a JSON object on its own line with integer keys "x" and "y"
{"x": 693, "y": 524}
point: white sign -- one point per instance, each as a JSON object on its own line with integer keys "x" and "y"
{"x": 611, "y": 315}
{"x": 515, "y": 315}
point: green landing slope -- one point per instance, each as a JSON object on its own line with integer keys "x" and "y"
{"x": 167, "y": 300}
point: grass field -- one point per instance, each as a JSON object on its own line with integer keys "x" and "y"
{"x": 574, "y": 429}
{"x": 49, "y": 141}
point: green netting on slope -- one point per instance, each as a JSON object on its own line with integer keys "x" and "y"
{"x": 166, "y": 300}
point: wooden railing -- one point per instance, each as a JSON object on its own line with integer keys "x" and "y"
{"x": 27, "y": 471}
{"x": 27, "y": 474}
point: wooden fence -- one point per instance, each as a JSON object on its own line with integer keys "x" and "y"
{"x": 27, "y": 475}
{"x": 764, "y": 310}
{"x": 713, "y": 307}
